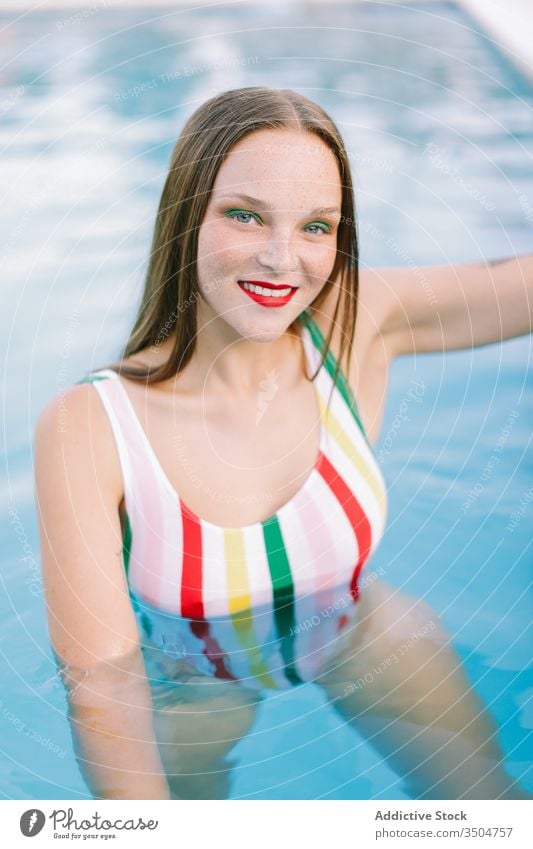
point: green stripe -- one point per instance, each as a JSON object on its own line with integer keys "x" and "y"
{"x": 331, "y": 365}
{"x": 283, "y": 589}
{"x": 147, "y": 625}
{"x": 126, "y": 543}
{"x": 126, "y": 554}
{"x": 92, "y": 378}
{"x": 243, "y": 626}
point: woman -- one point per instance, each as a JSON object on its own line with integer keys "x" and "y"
{"x": 215, "y": 506}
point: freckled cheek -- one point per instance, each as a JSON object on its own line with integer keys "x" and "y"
{"x": 217, "y": 249}
{"x": 322, "y": 263}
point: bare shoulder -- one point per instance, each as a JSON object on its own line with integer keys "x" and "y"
{"x": 77, "y": 489}
{"x": 374, "y": 305}
{"x": 73, "y": 429}
{"x": 367, "y": 369}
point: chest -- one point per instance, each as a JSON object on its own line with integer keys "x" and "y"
{"x": 237, "y": 463}
{"x": 234, "y": 463}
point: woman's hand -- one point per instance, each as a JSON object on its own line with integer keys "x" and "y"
{"x": 110, "y": 713}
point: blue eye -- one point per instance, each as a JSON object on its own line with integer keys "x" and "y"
{"x": 238, "y": 214}
{"x": 233, "y": 213}
{"x": 322, "y": 227}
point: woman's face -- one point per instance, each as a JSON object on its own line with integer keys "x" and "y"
{"x": 272, "y": 218}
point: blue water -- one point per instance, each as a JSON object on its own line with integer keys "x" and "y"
{"x": 439, "y": 127}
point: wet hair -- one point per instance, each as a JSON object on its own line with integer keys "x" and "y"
{"x": 171, "y": 289}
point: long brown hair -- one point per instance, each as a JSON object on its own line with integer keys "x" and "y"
{"x": 171, "y": 285}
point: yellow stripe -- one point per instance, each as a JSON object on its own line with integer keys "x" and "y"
{"x": 240, "y": 604}
{"x": 334, "y": 427}
{"x": 242, "y": 623}
{"x": 237, "y": 575}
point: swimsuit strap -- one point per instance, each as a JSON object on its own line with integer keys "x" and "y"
{"x": 138, "y": 464}
{"x": 90, "y": 378}
{"x": 330, "y": 363}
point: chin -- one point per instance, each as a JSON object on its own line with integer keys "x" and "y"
{"x": 267, "y": 330}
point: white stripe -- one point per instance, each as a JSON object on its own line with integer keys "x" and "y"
{"x": 102, "y": 387}
{"x": 107, "y": 391}
{"x": 259, "y": 579}
{"x": 171, "y": 569}
{"x": 215, "y": 590}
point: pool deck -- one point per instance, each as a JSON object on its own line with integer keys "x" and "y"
{"x": 509, "y": 23}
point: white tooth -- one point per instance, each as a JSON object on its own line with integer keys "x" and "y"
{"x": 268, "y": 293}
{"x": 280, "y": 293}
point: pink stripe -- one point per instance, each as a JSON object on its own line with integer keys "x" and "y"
{"x": 319, "y": 537}
{"x": 325, "y": 568}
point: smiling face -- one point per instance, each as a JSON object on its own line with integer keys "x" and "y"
{"x": 272, "y": 218}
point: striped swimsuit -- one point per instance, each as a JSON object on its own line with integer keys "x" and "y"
{"x": 264, "y": 604}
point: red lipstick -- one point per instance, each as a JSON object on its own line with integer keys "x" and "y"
{"x": 268, "y": 300}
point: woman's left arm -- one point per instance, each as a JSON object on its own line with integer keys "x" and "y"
{"x": 449, "y": 307}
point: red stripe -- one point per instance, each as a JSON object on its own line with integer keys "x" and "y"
{"x": 192, "y": 603}
{"x": 342, "y": 621}
{"x": 356, "y": 516}
{"x": 212, "y": 650}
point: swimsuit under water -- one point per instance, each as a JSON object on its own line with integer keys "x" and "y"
{"x": 263, "y": 604}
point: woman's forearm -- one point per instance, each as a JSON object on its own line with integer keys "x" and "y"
{"x": 110, "y": 712}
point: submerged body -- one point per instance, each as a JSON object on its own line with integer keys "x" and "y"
{"x": 262, "y": 603}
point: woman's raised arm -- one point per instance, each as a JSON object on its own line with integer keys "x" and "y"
{"x": 449, "y": 307}
{"x": 91, "y": 621}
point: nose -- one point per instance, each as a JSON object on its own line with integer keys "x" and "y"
{"x": 278, "y": 255}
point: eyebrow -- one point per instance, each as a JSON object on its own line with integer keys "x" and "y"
{"x": 257, "y": 202}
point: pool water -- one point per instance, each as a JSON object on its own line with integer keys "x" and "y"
{"x": 439, "y": 128}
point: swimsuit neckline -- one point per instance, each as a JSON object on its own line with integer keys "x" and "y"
{"x": 162, "y": 475}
